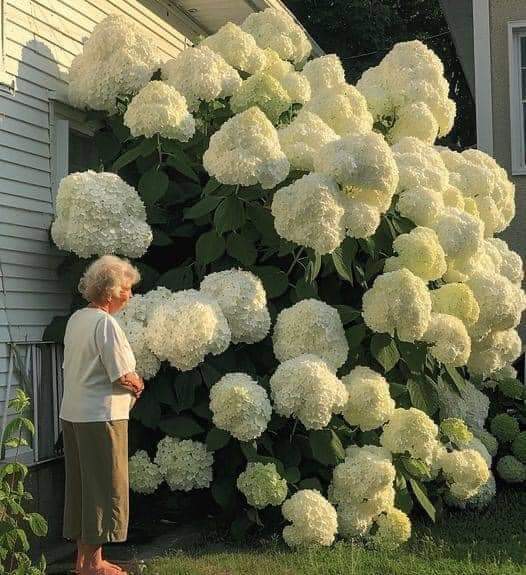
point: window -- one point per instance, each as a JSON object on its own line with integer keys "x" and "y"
{"x": 517, "y": 66}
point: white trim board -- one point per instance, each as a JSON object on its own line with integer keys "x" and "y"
{"x": 518, "y": 138}
{"x": 482, "y": 56}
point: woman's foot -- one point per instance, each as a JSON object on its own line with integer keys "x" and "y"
{"x": 103, "y": 563}
{"x": 102, "y": 568}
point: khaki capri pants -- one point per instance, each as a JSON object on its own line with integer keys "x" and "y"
{"x": 96, "y": 506}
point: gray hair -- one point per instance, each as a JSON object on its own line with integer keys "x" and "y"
{"x": 105, "y": 276}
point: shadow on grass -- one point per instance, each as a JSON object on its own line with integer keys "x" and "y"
{"x": 492, "y": 542}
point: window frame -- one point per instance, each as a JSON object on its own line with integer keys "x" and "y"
{"x": 6, "y": 82}
{"x": 516, "y": 31}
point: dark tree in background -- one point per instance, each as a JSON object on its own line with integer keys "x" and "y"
{"x": 361, "y": 32}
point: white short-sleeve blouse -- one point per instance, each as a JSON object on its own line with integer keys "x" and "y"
{"x": 96, "y": 354}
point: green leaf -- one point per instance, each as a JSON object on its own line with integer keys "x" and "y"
{"x": 384, "y": 350}
{"x": 326, "y": 446}
{"x": 241, "y": 249}
{"x": 161, "y": 238}
{"x": 355, "y": 335}
{"x": 202, "y": 207}
{"x": 306, "y": 290}
{"x": 414, "y": 355}
{"x": 122, "y": 132}
{"x": 313, "y": 267}
{"x": 130, "y": 156}
{"x": 311, "y": 483}
{"x": 347, "y": 313}
{"x": 22, "y": 537}
{"x": 177, "y": 279}
{"x": 264, "y": 223}
{"x": 275, "y": 281}
{"x": 209, "y": 247}
{"x": 211, "y": 186}
{"x": 421, "y": 495}
{"x": 185, "y": 385}
{"x": 163, "y": 389}
{"x": 37, "y": 524}
{"x": 223, "y": 492}
{"x": 181, "y": 426}
{"x": 147, "y": 410}
{"x": 149, "y": 277}
{"x": 180, "y": 162}
{"x": 107, "y": 146}
{"x": 343, "y": 257}
{"x": 423, "y": 394}
{"x": 28, "y": 424}
{"x": 416, "y": 468}
{"x": 404, "y": 501}
{"x": 292, "y": 474}
{"x": 240, "y": 527}
{"x": 229, "y": 215}
{"x": 216, "y": 439}
{"x": 458, "y": 381}
{"x": 153, "y": 185}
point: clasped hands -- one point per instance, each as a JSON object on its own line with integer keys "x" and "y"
{"x": 132, "y": 382}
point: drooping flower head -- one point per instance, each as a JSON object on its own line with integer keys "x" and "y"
{"x": 262, "y": 485}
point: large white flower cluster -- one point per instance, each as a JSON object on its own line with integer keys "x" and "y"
{"x": 240, "y": 406}
{"x": 118, "y": 58}
{"x": 306, "y": 388}
{"x": 471, "y": 406}
{"x": 456, "y": 299}
{"x": 364, "y": 167}
{"x": 398, "y": 302}
{"x": 420, "y": 252}
{"x": 310, "y": 213}
{"x": 99, "y": 213}
{"x": 449, "y": 337}
{"x": 411, "y": 431}
{"x": 324, "y": 72}
{"x": 262, "y": 485}
{"x": 144, "y": 476}
{"x": 465, "y": 470}
{"x": 409, "y": 88}
{"x": 242, "y": 298}
{"x": 314, "y": 520}
{"x": 394, "y": 528}
{"x": 310, "y": 327}
{"x": 199, "y": 73}
{"x": 277, "y": 30}
{"x": 237, "y": 48}
{"x": 495, "y": 351}
{"x": 186, "y": 327}
{"x": 246, "y": 151}
{"x": 159, "y": 109}
{"x": 370, "y": 404}
{"x": 185, "y": 464}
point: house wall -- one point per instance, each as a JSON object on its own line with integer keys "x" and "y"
{"x": 41, "y": 38}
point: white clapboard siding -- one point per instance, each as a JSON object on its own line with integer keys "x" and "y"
{"x": 41, "y": 39}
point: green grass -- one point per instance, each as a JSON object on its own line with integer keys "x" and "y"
{"x": 464, "y": 543}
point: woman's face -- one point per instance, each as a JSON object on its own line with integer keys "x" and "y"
{"x": 116, "y": 303}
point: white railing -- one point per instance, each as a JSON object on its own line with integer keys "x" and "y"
{"x": 36, "y": 367}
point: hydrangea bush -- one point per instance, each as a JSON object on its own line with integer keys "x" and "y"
{"x": 326, "y": 320}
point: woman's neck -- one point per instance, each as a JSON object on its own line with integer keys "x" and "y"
{"x": 103, "y": 306}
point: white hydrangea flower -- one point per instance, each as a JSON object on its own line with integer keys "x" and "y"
{"x": 277, "y": 30}
{"x": 361, "y": 220}
{"x": 118, "y": 58}
{"x": 306, "y": 388}
{"x": 144, "y": 476}
{"x": 198, "y": 73}
{"x": 343, "y": 108}
{"x": 159, "y": 109}
{"x": 324, "y": 72}
{"x": 453, "y": 198}
{"x": 411, "y": 431}
{"x": 237, "y": 48}
{"x": 187, "y": 327}
{"x": 494, "y": 351}
{"x": 450, "y": 339}
{"x": 246, "y": 151}
{"x": 262, "y": 485}
{"x": 398, "y": 302}
{"x": 422, "y": 206}
{"x": 263, "y": 91}
{"x": 460, "y": 234}
{"x": 363, "y": 474}
{"x": 242, "y": 298}
{"x": 99, "y": 213}
{"x": 456, "y": 299}
{"x": 294, "y": 83}
{"x": 394, "y": 528}
{"x": 466, "y": 472}
{"x": 479, "y": 501}
{"x": 313, "y": 327}
{"x": 309, "y": 212}
{"x": 414, "y": 120}
{"x": 314, "y": 519}
{"x": 303, "y": 138}
{"x": 471, "y": 405}
{"x": 476, "y": 444}
{"x": 510, "y": 265}
{"x": 501, "y": 302}
{"x": 240, "y": 406}
{"x": 370, "y": 404}
{"x": 419, "y": 166}
{"x": 478, "y": 176}
{"x": 185, "y": 464}
{"x": 420, "y": 252}
{"x": 410, "y": 73}
{"x": 147, "y": 363}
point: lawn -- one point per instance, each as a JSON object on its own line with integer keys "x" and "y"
{"x": 464, "y": 543}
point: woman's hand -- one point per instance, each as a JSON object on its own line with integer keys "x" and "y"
{"x": 132, "y": 382}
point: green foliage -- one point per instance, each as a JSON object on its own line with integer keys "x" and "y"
{"x": 14, "y": 520}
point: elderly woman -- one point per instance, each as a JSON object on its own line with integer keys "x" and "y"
{"x": 100, "y": 388}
